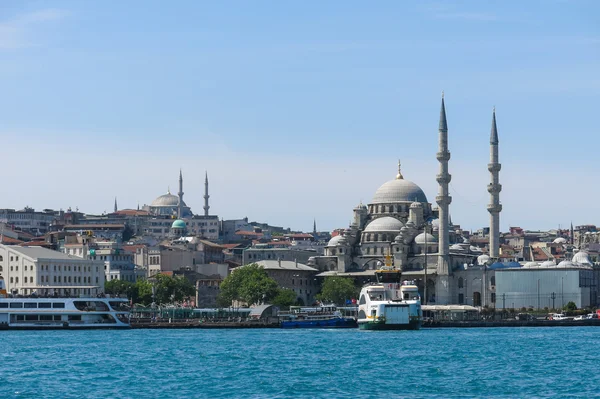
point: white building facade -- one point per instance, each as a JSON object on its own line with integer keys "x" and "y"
{"x": 41, "y": 271}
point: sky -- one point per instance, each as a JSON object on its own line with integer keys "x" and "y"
{"x": 298, "y": 111}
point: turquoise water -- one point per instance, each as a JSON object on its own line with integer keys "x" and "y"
{"x": 442, "y": 363}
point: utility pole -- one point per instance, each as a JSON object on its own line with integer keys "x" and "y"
{"x": 553, "y": 296}
{"x": 503, "y": 300}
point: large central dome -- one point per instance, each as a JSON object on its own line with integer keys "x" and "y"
{"x": 399, "y": 190}
{"x": 167, "y": 200}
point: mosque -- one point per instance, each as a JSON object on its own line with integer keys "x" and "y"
{"x": 169, "y": 206}
{"x": 401, "y": 228}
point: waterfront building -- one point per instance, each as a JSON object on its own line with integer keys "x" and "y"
{"x": 547, "y": 285}
{"x": 260, "y": 252}
{"x": 29, "y": 270}
{"x": 293, "y": 275}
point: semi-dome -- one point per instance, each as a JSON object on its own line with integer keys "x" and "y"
{"x": 530, "y": 265}
{"x": 582, "y": 258}
{"x": 425, "y": 238}
{"x": 386, "y": 223}
{"x": 335, "y": 241}
{"x": 560, "y": 240}
{"x": 178, "y": 224}
{"x": 167, "y": 199}
{"x": 399, "y": 190}
{"x": 482, "y": 259}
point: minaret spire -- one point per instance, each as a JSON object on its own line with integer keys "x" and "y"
{"x": 443, "y": 198}
{"x": 206, "y": 196}
{"x": 180, "y": 195}
{"x": 494, "y": 188}
{"x": 399, "y": 175}
{"x": 116, "y": 208}
{"x": 314, "y": 226}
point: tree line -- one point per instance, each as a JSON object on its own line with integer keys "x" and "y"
{"x": 167, "y": 290}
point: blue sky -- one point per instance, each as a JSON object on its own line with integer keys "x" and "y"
{"x": 300, "y": 110}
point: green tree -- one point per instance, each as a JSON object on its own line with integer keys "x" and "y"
{"x": 570, "y": 307}
{"x": 172, "y": 289}
{"x": 337, "y": 289}
{"x": 118, "y": 287}
{"x": 250, "y": 284}
{"x": 143, "y": 292}
{"x": 285, "y": 298}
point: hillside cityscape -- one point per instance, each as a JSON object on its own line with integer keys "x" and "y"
{"x": 66, "y": 252}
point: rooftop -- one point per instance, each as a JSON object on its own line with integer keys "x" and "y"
{"x": 41, "y": 253}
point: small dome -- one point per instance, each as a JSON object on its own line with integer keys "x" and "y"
{"x": 386, "y": 223}
{"x": 399, "y": 190}
{"x": 482, "y": 259}
{"x": 416, "y": 205}
{"x": 423, "y": 237}
{"x": 178, "y": 224}
{"x": 560, "y": 240}
{"x": 335, "y": 241}
{"x": 548, "y": 263}
{"x": 582, "y": 258}
{"x": 566, "y": 263}
{"x": 167, "y": 200}
{"x": 475, "y": 249}
{"x": 530, "y": 265}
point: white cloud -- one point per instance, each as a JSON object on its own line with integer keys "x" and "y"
{"x": 19, "y": 31}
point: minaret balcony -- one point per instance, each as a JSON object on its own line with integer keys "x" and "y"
{"x": 494, "y": 188}
{"x": 443, "y": 156}
{"x": 443, "y": 178}
{"x": 494, "y": 167}
{"x": 443, "y": 200}
{"x": 494, "y": 208}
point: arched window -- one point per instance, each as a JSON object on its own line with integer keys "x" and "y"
{"x": 1, "y": 269}
{"x": 461, "y": 283}
{"x": 493, "y": 280}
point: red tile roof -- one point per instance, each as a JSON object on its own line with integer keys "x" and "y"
{"x": 9, "y": 240}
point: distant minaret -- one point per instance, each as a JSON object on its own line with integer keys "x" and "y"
{"x": 572, "y": 234}
{"x": 180, "y": 194}
{"x": 314, "y": 226}
{"x": 116, "y": 204}
{"x": 494, "y": 189}
{"x": 206, "y": 196}
{"x": 443, "y": 199}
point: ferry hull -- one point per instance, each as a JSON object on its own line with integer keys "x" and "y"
{"x": 412, "y": 325}
{"x": 333, "y": 323}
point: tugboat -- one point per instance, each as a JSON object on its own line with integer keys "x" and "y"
{"x": 389, "y": 304}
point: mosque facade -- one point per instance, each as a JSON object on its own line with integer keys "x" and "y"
{"x": 402, "y": 228}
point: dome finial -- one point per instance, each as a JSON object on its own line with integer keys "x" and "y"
{"x": 168, "y": 189}
{"x": 399, "y": 175}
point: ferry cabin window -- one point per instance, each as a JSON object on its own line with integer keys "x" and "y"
{"x": 58, "y": 305}
{"x": 30, "y": 305}
{"x": 44, "y": 305}
{"x": 3, "y": 304}
{"x": 16, "y": 305}
{"x": 362, "y": 300}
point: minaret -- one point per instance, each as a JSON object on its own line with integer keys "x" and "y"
{"x": 116, "y": 209}
{"x": 180, "y": 194}
{"x": 443, "y": 199}
{"x": 494, "y": 189}
{"x": 206, "y": 196}
{"x": 314, "y": 226}
{"x": 572, "y": 233}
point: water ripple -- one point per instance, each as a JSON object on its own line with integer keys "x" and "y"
{"x": 445, "y": 363}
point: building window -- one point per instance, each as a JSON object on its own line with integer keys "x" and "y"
{"x": 461, "y": 283}
{"x": 461, "y": 299}
{"x": 493, "y": 281}
{"x": 493, "y": 297}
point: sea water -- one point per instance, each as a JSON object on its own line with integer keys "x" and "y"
{"x": 271, "y": 363}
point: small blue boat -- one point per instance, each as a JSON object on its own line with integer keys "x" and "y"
{"x": 316, "y": 317}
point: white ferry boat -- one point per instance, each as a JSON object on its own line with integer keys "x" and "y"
{"x": 32, "y": 313}
{"x": 389, "y": 304}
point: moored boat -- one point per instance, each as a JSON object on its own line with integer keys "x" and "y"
{"x": 37, "y": 313}
{"x": 389, "y": 304}
{"x": 316, "y": 317}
